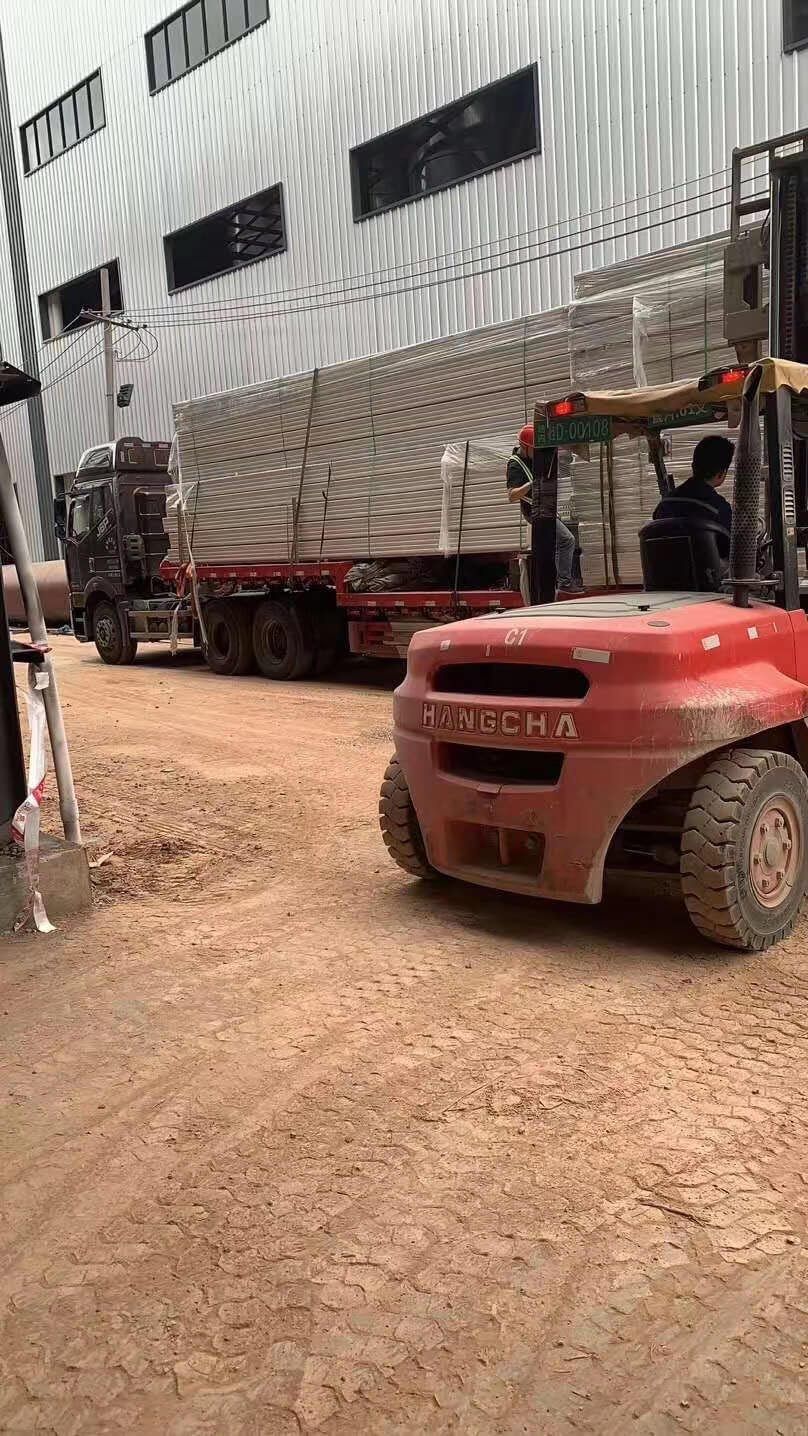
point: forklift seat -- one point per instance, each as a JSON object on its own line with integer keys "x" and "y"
{"x": 682, "y": 554}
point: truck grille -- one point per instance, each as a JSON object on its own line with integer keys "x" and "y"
{"x": 511, "y": 680}
{"x": 510, "y": 766}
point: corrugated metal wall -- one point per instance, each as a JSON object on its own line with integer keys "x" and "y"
{"x": 641, "y": 103}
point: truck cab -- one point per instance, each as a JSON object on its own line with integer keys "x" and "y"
{"x": 111, "y": 524}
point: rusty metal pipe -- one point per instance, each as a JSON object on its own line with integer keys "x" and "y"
{"x": 54, "y": 595}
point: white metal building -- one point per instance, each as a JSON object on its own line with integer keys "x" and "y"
{"x": 610, "y": 135}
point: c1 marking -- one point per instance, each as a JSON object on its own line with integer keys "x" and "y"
{"x": 515, "y": 637}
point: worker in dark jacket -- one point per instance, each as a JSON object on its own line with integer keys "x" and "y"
{"x": 698, "y": 496}
{"x": 519, "y": 483}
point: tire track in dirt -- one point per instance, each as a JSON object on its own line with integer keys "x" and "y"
{"x": 387, "y": 1159}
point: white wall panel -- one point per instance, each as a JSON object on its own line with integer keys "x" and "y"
{"x": 637, "y": 97}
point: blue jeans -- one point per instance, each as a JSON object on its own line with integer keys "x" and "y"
{"x": 565, "y": 553}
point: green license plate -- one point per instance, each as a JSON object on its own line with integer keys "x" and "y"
{"x": 574, "y": 429}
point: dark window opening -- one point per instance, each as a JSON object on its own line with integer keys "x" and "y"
{"x": 511, "y": 680}
{"x": 795, "y": 24}
{"x": 495, "y": 126}
{"x": 243, "y": 233}
{"x": 63, "y": 124}
{"x": 197, "y": 31}
{"x": 61, "y": 309}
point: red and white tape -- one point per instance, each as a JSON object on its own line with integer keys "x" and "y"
{"x": 26, "y": 822}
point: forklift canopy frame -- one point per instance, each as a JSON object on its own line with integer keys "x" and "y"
{"x": 781, "y": 394}
{"x": 640, "y": 410}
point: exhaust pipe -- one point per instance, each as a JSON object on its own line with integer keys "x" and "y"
{"x": 748, "y": 461}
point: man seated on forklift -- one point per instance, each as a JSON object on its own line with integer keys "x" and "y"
{"x": 712, "y": 457}
{"x": 519, "y": 484}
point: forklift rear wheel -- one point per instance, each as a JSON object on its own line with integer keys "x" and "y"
{"x": 113, "y": 644}
{"x": 229, "y": 648}
{"x": 401, "y": 830}
{"x": 744, "y": 861}
{"x": 284, "y": 647}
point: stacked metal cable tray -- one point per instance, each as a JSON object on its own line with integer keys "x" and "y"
{"x": 371, "y": 484}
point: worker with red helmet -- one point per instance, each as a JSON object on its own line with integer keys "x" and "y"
{"x": 519, "y": 482}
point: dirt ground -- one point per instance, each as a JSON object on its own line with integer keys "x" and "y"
{"x": 291, "y": 1143}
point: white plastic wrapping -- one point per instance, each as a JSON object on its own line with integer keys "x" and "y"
{"x": 25, "y": 826}
{"x": 648, "y": 321}
{"x": 383, "y": 468}
{"x": 381, "y": 426}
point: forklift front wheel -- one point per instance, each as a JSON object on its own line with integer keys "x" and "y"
{"x": 744, "y": 861}
{"x": 401, "y": 830}
{"x": 114, "y": 644}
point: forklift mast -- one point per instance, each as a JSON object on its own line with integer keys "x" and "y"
{"x": 766, "y": 263}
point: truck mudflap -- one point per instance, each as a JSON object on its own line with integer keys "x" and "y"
{"x": 525, "y": 793}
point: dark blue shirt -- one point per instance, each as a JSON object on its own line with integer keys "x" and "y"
{"x": 703, "y": 497}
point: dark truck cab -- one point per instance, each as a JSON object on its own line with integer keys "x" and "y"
{"x": 111, "y": 524}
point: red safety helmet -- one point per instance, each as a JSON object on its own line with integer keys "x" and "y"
{"x": 526, "y": 436}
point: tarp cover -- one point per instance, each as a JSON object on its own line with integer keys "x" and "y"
{"x": 640, "y": 404}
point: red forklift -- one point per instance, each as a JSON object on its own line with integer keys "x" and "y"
{"x": 660, "y": 731}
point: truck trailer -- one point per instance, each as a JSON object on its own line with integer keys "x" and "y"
{"x": 288, "y": 619}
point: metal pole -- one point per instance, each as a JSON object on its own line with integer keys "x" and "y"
{"x": 109, "y": 356}
{"x": 460, "y": 524}
{"x": 296, "y": 516}
{"x": 12, "y": 763}
{"x": 21, "y": 554}
{"x": 21, "y": 281}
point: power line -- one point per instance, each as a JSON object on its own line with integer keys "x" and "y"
{"x": 411, "y": 268}
{"x": 73, "y": 369}
{"x": 60, "y": 354}
{"x": 239, "y": 313}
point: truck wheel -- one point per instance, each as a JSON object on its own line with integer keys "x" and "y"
{"x": 327, "y": 633}
{"x": 229, "y": 648}
{"x": 398, "y": 820}
{"x": 113, "y": 643}
{"x": 282, "y": 640}
{"x": 744, "y": 856}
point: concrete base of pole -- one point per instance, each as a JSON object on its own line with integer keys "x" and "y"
{"x": 64, "y": 881}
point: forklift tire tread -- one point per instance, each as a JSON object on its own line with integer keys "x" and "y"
{"x": 229, "y": 649}
{"x": 399, "y": 824}
{"x": 721, "y": 889}
{"x": 113, "y": 644}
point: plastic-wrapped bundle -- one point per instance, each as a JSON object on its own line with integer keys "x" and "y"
{"x": 647, "y": 321}
{"x": 373, "y": 434}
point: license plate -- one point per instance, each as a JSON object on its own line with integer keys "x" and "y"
{"x": 574, "y": 429}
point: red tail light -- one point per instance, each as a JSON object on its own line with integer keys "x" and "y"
{"x": 735, "y": 374}
{"x": 561, "y": 409}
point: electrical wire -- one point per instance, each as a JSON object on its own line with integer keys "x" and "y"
{"x": 174, "y": 317}
{"x": 133, "y": 357}
{"x": 256, "y": 311}
{"x": 411, "y": 268}
{"x": 60, "y": 378}
{"x": 82, "y": 334}
{"x": 82, "y": 362}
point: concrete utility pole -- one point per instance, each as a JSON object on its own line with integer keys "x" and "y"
{"x": 21, "y": 280}
{"x": 109, "y": 355}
